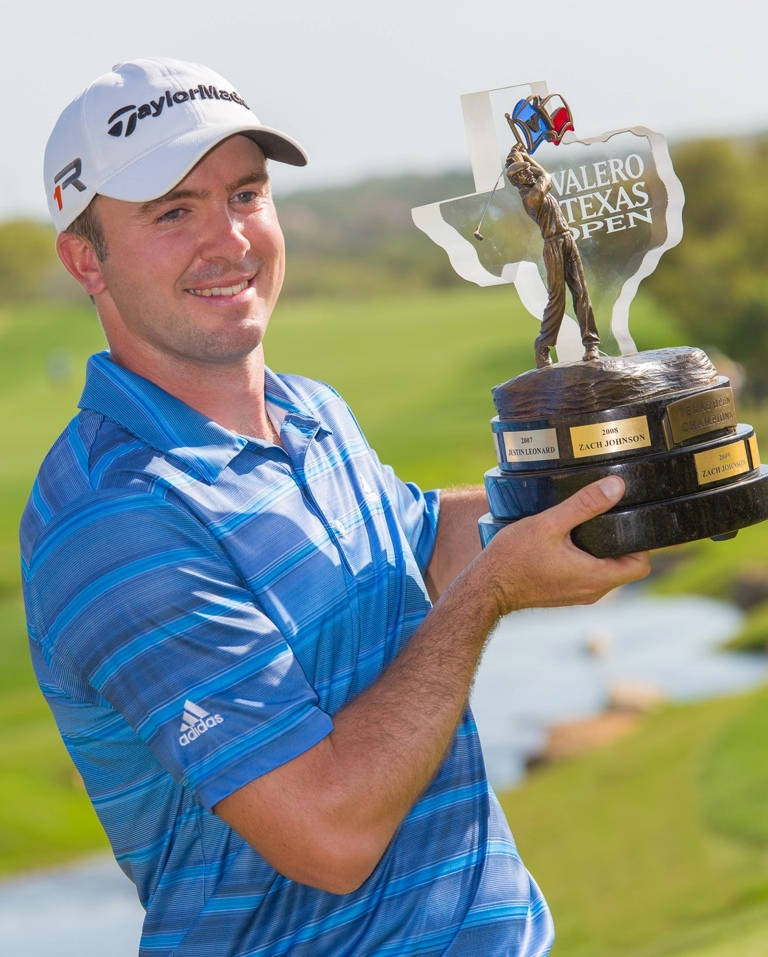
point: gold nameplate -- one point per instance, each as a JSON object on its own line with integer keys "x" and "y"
{"x": 718, "y": 464}
{"x": 530, "y": 445}
{"x": 699, "y": 414}
{"x": 610, "y": 438}
{"x": 754, "y": 451}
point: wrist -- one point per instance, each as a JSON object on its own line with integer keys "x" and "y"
{"x": 477, "y": 592}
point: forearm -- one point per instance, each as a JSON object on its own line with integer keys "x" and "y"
{"x": 395, "y": 734}
{"x": 458, "y": 540}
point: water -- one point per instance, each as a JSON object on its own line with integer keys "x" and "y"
{"x": 537, "y": 670}
{"x": 87, "y": 910}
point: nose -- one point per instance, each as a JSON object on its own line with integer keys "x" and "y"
{"x": 223, "y": 237}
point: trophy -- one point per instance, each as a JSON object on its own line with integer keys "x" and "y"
{"x": 593, "y": 217}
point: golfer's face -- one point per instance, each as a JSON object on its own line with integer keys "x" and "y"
{"x": 195, "y": 274}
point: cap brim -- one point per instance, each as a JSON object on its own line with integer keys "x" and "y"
{"x": 166, "y": 164}
{"x": 278, "y": 146}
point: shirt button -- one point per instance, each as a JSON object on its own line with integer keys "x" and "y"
{"x": 338, "y": 528}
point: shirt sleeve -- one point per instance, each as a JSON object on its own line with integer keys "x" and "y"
{"x": 417, "y": 511}
{"x": 133, "y": 597}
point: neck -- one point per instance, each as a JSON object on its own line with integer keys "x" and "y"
{"x": 230, "y": 394}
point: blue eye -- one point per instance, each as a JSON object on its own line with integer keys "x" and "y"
{"x": 246, "y": 196}
{"x": 171, "y": 216}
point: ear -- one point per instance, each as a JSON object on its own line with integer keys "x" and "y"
{"x": 81, "y": 261}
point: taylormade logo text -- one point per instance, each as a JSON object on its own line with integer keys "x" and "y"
{"x": 123, "y": 121}
{"x": 196, "y": 721}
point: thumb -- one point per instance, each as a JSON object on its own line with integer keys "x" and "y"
{"x": 592, "y": 500}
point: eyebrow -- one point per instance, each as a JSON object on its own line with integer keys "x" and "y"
{"x": 174, "y": 196}
{"x": 258, "y": 177}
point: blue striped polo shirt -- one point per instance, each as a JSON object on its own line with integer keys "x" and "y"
{"x": 200, "y": 605}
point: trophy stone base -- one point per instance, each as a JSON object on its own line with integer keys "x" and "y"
{"x": 663, "y": 420}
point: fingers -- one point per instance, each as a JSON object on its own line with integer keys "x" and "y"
{"x": 535, "y": 563}
{"x": 594, "y": 500}
{"x": 588, "y": 502}
{"x": 631, "y": 568}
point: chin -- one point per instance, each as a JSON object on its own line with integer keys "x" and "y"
{"x": 224, "y": 349}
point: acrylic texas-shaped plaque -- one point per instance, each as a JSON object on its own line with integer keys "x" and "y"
{"x": 619, "y": 196}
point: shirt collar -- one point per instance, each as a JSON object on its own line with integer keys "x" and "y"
{"x": 285, "y": 403}
{"x": 169, "y": 425}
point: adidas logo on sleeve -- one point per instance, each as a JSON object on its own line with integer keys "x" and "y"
{"x": 196, "y": 721}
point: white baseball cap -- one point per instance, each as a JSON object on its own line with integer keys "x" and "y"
{"x": 134, "y": 133}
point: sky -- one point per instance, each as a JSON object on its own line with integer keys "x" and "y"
{"x": 374, "y": 88}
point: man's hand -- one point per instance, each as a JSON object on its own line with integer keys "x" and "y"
{"x": 517, "y": 155}
{"x": 534, "y": 563}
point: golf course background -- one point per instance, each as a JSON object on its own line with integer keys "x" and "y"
{"x": 654, "y": 845}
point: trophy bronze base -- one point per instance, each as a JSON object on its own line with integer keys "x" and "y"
{"x": 662, "y": 420}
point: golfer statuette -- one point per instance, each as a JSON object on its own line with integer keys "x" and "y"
{"x": 560, "y": 252}
{"x": 601, "y": 213}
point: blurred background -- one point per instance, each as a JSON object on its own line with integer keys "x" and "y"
{"x": 634, "y": 776}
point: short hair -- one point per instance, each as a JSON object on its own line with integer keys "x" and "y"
{"x": 88, "y": 227}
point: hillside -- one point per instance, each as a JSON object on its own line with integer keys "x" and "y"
{"x": 361, "y": 238}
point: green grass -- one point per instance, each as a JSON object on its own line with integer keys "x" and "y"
{"x": 45, "y": 816}
{"x": 649, "y": 848}
{"x": 753, "y": 635}
{"x": 746, "y": 935}
{"x": 734, "y": 776}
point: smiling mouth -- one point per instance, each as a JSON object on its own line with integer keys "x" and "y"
{"x": 222, "y": 290}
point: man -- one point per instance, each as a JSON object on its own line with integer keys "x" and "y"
{"x": 227, "y": 592}
{"x": 561, "y": 257}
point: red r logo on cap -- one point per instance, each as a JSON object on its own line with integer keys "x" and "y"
{"x": 74, "y": 169}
